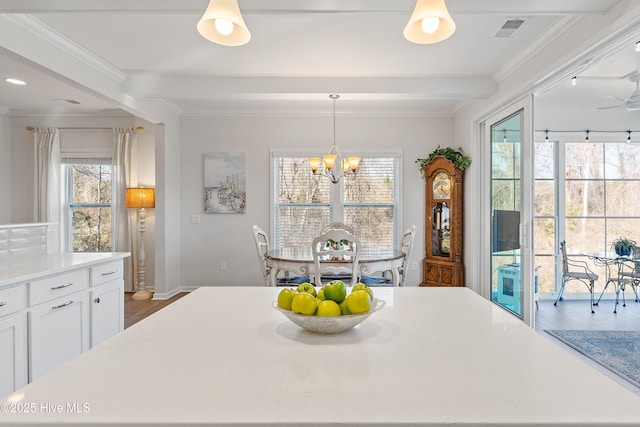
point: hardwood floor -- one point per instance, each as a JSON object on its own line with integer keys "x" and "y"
{"x": 135, "y": 311}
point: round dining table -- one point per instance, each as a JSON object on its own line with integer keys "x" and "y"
{"x": 299, "y": 260}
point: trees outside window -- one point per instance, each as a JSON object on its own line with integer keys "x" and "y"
{"x": 89, "y": 205}
{"x": 304, "y": 203}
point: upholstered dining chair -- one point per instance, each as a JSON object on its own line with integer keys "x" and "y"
{"x": 262, "y": 246}
{"x": 335, "y": 244}
{"x": 575, "y": 270}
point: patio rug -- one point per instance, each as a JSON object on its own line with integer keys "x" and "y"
{"x": 618, "y": 351}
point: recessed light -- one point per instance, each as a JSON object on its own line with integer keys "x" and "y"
{"x": 14, "y": 81}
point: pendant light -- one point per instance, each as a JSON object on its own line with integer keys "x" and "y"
{"x": 222, "y": 23}
{"x": 429, "y": 23}
{"x": 333, "y": 165}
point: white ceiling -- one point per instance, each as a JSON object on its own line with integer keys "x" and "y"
{"x": 300, "y": 52}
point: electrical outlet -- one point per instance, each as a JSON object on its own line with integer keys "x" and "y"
{"x": 195, "y": 219}
{"x": 414, "y": 265}
{"x": 223, "y": 265}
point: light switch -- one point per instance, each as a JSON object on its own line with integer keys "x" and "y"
{"x": 195, "y": 219}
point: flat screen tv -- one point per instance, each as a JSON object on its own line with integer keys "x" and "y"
{"x": 506, "y": 230}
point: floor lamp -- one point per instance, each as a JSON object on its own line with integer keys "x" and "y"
{"x": 141, "y": 198}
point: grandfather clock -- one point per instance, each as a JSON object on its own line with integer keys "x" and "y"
{"x": 443, "y": 265}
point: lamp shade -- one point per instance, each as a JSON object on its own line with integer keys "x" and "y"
{"x": 140, "y": 197}
{"x": 429, "y": 23}
{"x": 230, "y": 30}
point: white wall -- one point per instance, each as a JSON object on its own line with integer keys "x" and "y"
{"x": 229, "y": 237}
{"x": 5, "y": 169}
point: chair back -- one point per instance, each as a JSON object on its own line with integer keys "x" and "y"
{"x": 565, "y": 262}
{"x": 405, "y": 247}
{"x": 336, "y": 226}
{"x": 262, "y": 246}
{"x": 333, "y": 246}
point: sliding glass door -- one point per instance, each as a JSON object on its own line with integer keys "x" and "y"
{"x": 509, "y": 209}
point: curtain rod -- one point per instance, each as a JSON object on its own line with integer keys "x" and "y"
{"x": 31, "y": 128}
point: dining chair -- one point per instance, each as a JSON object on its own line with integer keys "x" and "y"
{"x": 335, "y": 244}
{"x": 336, "y": 226}
{"x": 629, "y": 274}
{"x": 262, "y": 246}
{"x": 405, "y": 246}
{"x": 575, "y": 270}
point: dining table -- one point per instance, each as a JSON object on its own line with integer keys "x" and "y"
{"x": 299, "y": 260}
{"x": 225, "y": 356}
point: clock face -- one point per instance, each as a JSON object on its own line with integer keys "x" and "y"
{"x": 441, "y": 186}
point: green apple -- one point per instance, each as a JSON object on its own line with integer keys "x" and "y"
{"x": 358, "y": 302}
{"x": 284, "y": 298}
{"x": 304, "y": 303}
{"x": 328, "y": 308}
{"x": 363, "y": 287}
{"x": 335, "y": 291}
{"x": 344, "y": 310}
{"x": 306, "y": 287}
{"x": 320, "y": 295}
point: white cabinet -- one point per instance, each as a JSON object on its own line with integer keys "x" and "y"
{"x": 58, "y": 332}
{"x": 107, "y": 301}
{"x": 55, "y": 307}
{"x": 13, "y": 343}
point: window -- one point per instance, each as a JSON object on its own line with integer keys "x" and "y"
{"x": 592, "y": 196}
{"x": 304, "y": 203}
{"x": 88, "y": 205}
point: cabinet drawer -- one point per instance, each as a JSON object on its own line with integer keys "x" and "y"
{"x": 57, "y": 286}
{"x": 12, "y": 300}
{"x": 106, "y": 272}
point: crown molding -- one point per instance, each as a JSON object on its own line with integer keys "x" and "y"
{"x": 49, "y": 35}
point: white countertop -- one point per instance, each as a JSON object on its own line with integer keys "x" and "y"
{"x": 225, "y": 356}
{"x": 23, "y": 269}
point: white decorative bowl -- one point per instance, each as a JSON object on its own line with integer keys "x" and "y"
{"x": 329, "y": 324}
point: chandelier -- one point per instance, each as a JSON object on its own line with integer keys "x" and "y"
{"x": 333, "y": 165}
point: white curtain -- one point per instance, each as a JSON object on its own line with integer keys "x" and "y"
{"x": 47, "y": 202}
{"x": 125, "y": 229}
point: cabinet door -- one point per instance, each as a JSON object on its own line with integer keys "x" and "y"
{"x": 13, "y": 354}
{"x": 58, "y": 332}
{"x": 107, "y": 311}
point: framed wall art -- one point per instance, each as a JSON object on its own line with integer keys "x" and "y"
{"x": 224, "y": 183}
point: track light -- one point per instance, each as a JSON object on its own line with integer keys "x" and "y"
{"x": 637, "y": 47}
{"x": 629, "y": 137}
{"x": 222, "y": 23}
{"x": 586, "y": 140}
{"x": 574, "y": 80}
{"x": 505, "y": 136}
{"x": 546, "y": 136}
{"x": 429, "y": 23}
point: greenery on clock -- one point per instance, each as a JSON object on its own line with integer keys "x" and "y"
{"x": 461, "y": 160}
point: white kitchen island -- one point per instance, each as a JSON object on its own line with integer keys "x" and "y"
{"x": 225, "y": 356}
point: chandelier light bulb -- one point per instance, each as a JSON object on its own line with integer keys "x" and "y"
{"x": 430, "y": 24}
{"x": 224, "y": 26}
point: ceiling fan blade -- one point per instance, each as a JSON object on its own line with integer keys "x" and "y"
{"x": 610, "y": 107}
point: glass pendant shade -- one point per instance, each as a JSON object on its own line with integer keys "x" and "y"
{"x": 222, "y": 23}
{"x": 429, "y": 23}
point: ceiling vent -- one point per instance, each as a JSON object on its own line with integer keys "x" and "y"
{"x": 508, "y": 28}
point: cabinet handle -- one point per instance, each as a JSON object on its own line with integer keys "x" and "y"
{"x": 97, "y": 300}
{"x": 109, "y": 273}
{"x": 55, "y": 288}
{"x": 62, "y": 305}
{"x": 2, "y": 303}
